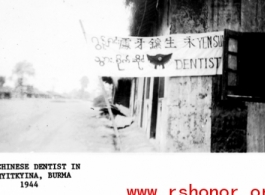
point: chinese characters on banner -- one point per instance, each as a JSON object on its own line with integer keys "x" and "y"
{"x": 172, "y": 55}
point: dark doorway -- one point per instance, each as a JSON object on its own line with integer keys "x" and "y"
{"x": 142, "y": 106}
{"x": 154, "y": 108}
{"x": 123, "y": 92}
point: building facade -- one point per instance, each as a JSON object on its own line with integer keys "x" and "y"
{"x": 201, "y": 113}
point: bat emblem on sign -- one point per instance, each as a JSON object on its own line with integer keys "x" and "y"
{"x": 159, "y": 59}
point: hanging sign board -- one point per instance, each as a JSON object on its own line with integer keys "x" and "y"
{"x": 172, "y": 55}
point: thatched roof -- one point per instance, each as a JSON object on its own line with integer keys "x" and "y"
{"x": 146, "y": 16}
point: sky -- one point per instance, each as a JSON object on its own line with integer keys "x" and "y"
{"x": 47, "y": 33}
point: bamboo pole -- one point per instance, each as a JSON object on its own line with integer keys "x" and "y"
{"x": 118, "y": 141}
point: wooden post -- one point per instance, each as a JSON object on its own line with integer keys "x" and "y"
{"x": 118, "y": 141}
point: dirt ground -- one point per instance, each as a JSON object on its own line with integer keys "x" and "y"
{"x": 45, "y": 125}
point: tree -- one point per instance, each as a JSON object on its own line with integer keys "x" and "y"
{"x": 84, "y": 83}
{"x": 22, "y": 70}
{"x": 2, "y": 81}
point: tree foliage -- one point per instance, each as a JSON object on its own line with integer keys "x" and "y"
{"x": 22, "y": 70}
{"x": 2, "y": 81}
{"x": 84, "y": 82}
{"x": 145, "y": 16}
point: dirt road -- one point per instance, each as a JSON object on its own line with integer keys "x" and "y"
{"x": 41, "y": 125}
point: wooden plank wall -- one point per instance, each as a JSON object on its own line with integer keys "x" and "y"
{"x": 240, "y": 123}
{"x": 229, "y": 119}
{"x": 253, "y": 20}
{"x": 256, "y": 128}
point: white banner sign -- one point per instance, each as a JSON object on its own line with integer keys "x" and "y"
{"x": 172, "y": 55}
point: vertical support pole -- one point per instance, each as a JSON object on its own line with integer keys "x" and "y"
{"x": 118, "y": 141}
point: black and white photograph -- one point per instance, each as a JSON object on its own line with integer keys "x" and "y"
{"x": 132, "y": 76}
{"x": 132, "y": 97}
